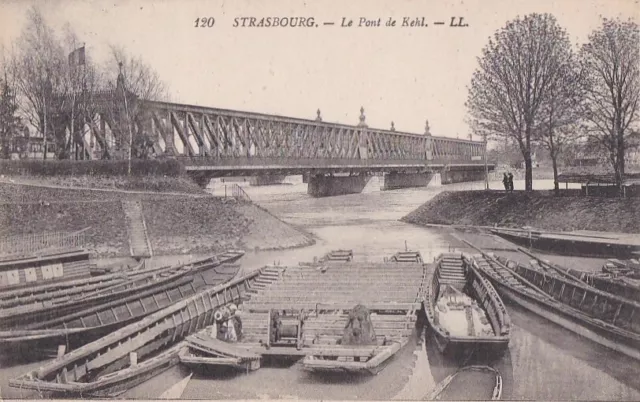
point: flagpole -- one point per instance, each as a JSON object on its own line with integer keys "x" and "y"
{"x": 126, "y": 110}
{"x": 44, "y": 131}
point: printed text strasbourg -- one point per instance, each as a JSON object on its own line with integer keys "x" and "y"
{"x": 284, "y": 22}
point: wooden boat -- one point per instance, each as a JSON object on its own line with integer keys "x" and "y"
{"x": 443, "y": 390}
{"x": 124, "y": 268}
{"x": 606, "y": 283}
{"x": 78, "y": 328}
{"x": 309, "y": 311}
{"x": 602, "y": 317}
{"x": 45, "y": 308}
{"x": 629, "y": 268}
{"x": 338, "y": 256}
{"x": 565, "y": 243}
{"x": 201, "y": 349}
{"x": 40, "y": 269}
{"x": 464, "y": 311}
{"x": 407, "y": 256}
{"x": 136, "y": 352}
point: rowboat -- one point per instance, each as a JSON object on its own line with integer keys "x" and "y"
{"x": 59, "y": 292}
{"x": 598, "y": 280}
{"x": 629, "y": 268}
{"x": 47, "y": 303}
{"x": 39, "y": 338}
{"x": 136, "y": 352}
{"x": 464, "y": 311}
{"x": 448, "y": 390}
{"x": 602, "y": 317}
{"x": 80, "y": 327}
{"x": 565, "y": 243}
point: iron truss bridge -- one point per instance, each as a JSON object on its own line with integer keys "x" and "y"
{"x": 228, "y": 142}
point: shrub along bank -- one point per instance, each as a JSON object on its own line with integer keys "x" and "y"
{"x": 49, "y": 168}
{"x": 146, "y": 175}
{"x": 539, "y": 209}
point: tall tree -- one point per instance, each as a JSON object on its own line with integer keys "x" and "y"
{"x": 10, "y": 122}
{"x": 77, "y": 101}
{"x": 611, "y": 60}
{"x": 516, "y": 71}
{"x": 38, "y": 69}
{"x": 560, "y": 113}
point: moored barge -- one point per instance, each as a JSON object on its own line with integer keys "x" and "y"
{"x": 464, "y": 311}
{"x": 602, "y": 317}
{"x": 136, "y": 352}
{"x": 576, "y": 244}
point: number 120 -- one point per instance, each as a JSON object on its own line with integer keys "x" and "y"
{"x": 205, "y": 22}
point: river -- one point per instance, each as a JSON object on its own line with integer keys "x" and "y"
{"x": 544, "y": 361}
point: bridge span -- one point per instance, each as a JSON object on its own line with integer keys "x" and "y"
{"x": 211, "y": 142}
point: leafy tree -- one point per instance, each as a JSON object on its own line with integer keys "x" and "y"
{"x": 611, "y": 60}
{"x": 516, "y": 72}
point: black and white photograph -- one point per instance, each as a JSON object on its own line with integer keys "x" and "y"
{"x": 370, "y": 200}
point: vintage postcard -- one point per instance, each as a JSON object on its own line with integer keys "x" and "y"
{"x": 327, "y": 200}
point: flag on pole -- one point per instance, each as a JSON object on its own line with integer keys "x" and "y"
{"x": 76, "y": 58}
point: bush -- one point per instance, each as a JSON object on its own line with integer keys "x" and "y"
{"x": 139, "y": 167}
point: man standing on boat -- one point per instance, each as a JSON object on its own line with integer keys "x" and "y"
{"x": 510, "y": 181}
{"x": 505, "y": 181}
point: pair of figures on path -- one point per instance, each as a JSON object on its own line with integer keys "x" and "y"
{"x": 507, "y": 180}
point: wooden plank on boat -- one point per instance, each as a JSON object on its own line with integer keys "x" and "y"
{"x": 129, "y": 346}
{"x": 364, "y": 351}
{"x": 211, "y": 345}
{"x": 265, "y": 307}
{"x": 125, "y": 332}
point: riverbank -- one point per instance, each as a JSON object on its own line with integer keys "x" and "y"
{"x": 177, "y": 223}
{"x": 539, "y": 209}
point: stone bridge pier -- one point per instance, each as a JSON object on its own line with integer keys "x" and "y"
{"x": 322, "y": 185}
{"x": 395, "y": 180}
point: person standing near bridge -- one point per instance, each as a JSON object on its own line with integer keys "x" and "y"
{"x": 510, "y": 182}
{"x": 505, "y": 181}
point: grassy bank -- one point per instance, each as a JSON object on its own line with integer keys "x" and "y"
{"x": 539, "y": 209}
{"x": 160, "y": 184}
{"x": 176, "y": 224}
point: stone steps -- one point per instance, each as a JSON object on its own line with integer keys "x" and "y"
{"x": 139, "y": 244}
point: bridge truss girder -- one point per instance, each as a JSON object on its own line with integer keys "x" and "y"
{"x": 183, "y": 130}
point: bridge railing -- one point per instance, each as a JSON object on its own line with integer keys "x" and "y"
{"x": 316, "y": 162}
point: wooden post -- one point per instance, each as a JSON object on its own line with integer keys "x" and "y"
{"x": 61, "y": 350}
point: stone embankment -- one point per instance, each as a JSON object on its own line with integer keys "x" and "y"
{"x": 176, "y": 223}
{"x": 539, "y": 209}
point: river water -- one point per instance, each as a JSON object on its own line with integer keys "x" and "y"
{"x": 544, "y": 361}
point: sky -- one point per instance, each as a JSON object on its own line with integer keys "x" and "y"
{"x": 401, "y": 74}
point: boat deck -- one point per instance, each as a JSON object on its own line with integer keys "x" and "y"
{"x": 324, "y": 294}
{"x": 458, "y": 314}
